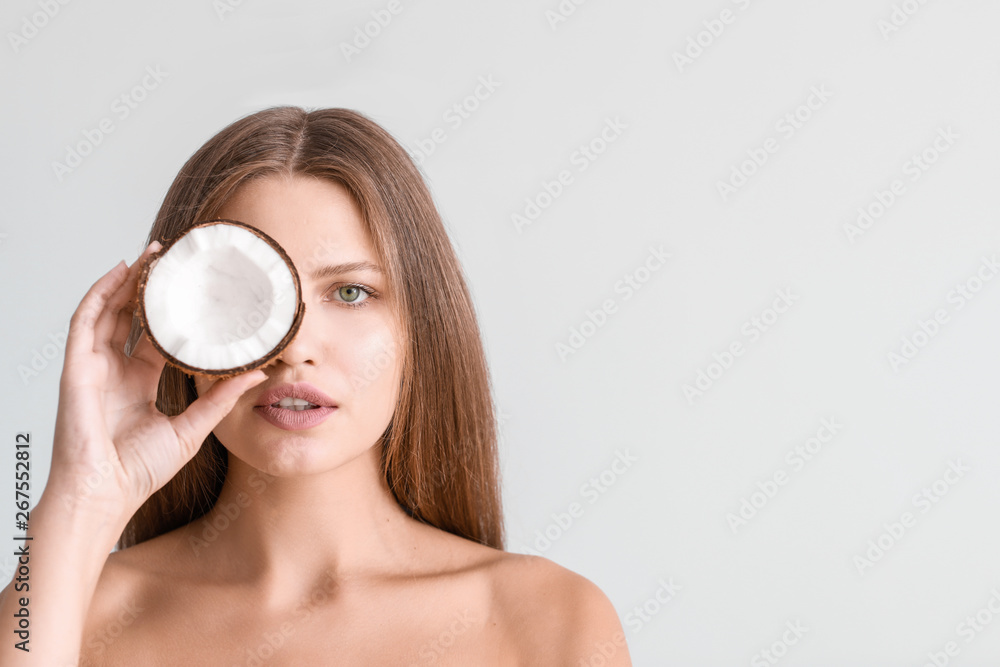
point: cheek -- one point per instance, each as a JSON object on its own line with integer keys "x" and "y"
{"x": 373, "y": 365}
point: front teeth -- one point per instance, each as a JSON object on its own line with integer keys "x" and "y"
{"x": 290, "y": 403}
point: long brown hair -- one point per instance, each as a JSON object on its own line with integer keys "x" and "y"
{"x": 439, "y": 451}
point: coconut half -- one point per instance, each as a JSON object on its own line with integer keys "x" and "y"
{"x": 221, "y": 299}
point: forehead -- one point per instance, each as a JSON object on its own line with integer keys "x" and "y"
{"x": 315, "y": 220}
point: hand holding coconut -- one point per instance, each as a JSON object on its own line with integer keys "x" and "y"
{"x": 221, "y": 300}
{"x": 113, "y": 448}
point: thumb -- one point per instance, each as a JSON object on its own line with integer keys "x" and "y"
{"x": 194, "y": 424}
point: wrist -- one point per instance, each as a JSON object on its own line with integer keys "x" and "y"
{"x": 79, "y": 521}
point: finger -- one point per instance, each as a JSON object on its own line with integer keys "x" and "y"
{"x": 144, "y": 351}
{"x": 150, "y": 366}
{"x": 113, "y": 325}
{"x": 204, "y": 414}
{"x": 81, "y": 326}
{"x": 110, "y": 317}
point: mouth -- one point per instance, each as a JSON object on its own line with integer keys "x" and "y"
{"x": 296, "y": 404}
{"x": 294, "y": 407}
{"x": 295, "y": 397}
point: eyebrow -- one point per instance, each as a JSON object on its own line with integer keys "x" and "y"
{"x": 329, "y": 270}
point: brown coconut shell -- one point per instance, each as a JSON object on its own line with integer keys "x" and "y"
{"x": 220, "y": 374}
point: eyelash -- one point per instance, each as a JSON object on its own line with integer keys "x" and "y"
{"x": 372, "y": 294}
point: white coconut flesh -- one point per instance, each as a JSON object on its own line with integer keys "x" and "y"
{"x": 219, "y": 298}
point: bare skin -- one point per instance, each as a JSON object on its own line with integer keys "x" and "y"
{"x": 447, "y": 602}
{"x": 306, "y": 558}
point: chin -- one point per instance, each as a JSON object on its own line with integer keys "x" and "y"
{"x": 299, "y": 453}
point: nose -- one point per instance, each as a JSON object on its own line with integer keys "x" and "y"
{"x": 305, "y": 347}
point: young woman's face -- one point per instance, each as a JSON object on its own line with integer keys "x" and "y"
{"x": 347, "y": 346}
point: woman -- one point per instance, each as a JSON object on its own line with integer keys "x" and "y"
{"x": 247, "y": 536}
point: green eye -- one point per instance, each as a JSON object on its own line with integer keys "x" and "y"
{"x": 353, "y": 295}
{"x": 350, "y": 293}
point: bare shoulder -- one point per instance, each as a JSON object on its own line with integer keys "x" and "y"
{"x": 557, "y": 615}
{"x": 126, "y": 594}
{"x": 546, "y": 613}
{"x": 122, "y": 578}
{"x": 129, "y": 570}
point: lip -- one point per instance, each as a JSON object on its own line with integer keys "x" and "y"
{"x": 294, "y": 420}
{"x": 302, "y": 390}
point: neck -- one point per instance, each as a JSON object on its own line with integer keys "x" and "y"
{"x": 283, "y": 535}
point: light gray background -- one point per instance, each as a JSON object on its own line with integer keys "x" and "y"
{"x": 663, "y": 518}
